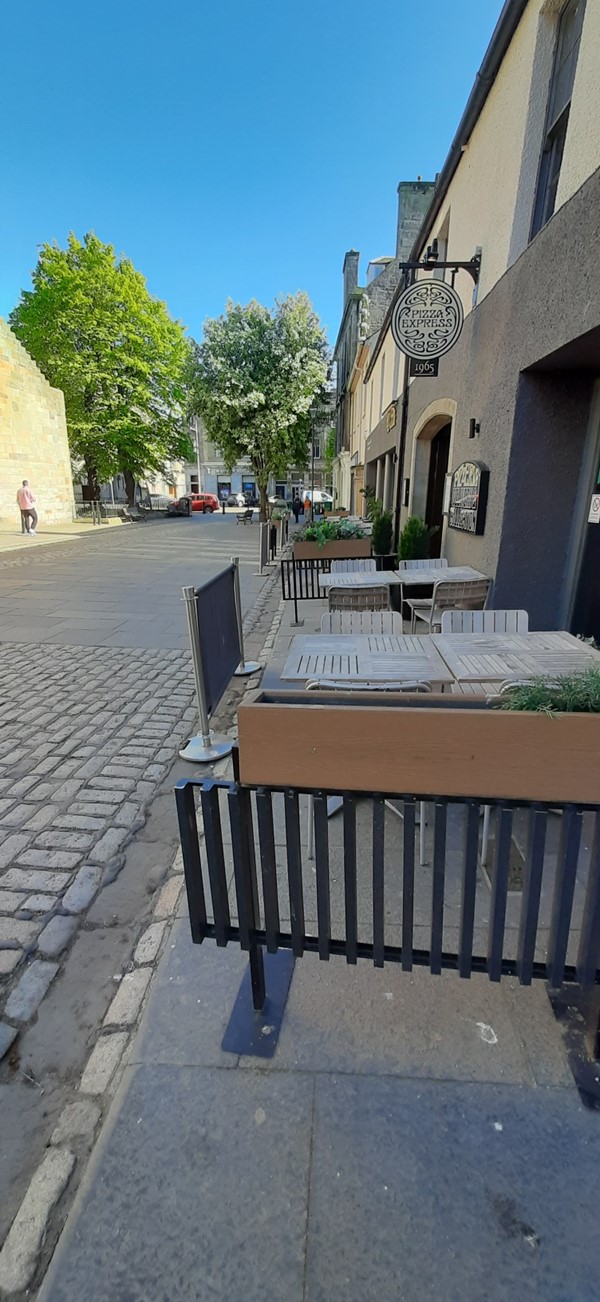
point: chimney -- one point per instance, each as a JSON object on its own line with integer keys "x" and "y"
{"x": 413, "y": 202}
{"x": 350, "y": 269}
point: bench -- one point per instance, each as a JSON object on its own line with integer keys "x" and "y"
{"x": 244, "y": 517}
{"x": 252, "y": 885}
{"x": 132, "y": 515}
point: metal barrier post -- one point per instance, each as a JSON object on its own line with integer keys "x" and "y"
{"x": 297, "y": 622}
{"x": 245, "y": 666}
{"x": 205, "y": 745}
{"x": 263, "y": 547}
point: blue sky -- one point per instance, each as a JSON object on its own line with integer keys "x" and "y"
{"x": 231, "y": 149}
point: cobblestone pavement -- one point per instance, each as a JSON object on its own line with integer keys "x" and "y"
{"x": 96, "y": 697}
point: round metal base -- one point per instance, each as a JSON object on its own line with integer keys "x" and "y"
{"x": 248, "y": 667}
{"x": 199, "y": 753}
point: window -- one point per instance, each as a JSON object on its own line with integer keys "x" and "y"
{"x": 317, "y": 447}
{"x": 557, "y": 116}
{"x": 382, "y": 386}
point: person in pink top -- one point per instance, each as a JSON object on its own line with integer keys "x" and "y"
{"x": 26, "y": 501}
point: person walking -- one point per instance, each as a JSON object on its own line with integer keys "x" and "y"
{"x": 26, "y": 502}
{"x": 296, "y": 507}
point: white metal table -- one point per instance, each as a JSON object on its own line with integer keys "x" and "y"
{"x": 360, "y": 579}
{"x": 451, "y": 574}
{"x": 500, "y": 657}
{"x": 375, "y": 656}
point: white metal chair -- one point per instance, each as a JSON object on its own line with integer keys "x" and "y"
{"x": 361, "y": 621}
{"x": 375, "y": 598}
{"x": 439, "y": 563}
{"x": 365, "y": 566}
{"x": 485, "y": 621}
{"x": 334, "y": 803}
{"x": 448, "y": 594}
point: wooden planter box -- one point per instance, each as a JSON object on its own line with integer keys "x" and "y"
{"x": 401, "y": 745}
{"x": 345, "y": 549}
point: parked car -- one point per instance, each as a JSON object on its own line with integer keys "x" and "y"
{"x": 279, "y": 503}
{"x": 160, "y": 501}
{"x": 236, "y": 499}
{"x": 205, "y": 502}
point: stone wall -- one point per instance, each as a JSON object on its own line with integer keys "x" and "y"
{"x": 33, "y": 438}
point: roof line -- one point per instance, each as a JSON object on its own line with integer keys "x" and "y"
{"x": 502, "y": 35}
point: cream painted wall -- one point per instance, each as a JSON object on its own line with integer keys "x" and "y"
{"x": 482, "y": 194}
{"x": 489, "y": 202}
{"x": 582, "y": 146}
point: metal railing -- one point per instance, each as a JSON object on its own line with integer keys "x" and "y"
{"x": 383, "y": 907}
{"x": 300, "y": 580}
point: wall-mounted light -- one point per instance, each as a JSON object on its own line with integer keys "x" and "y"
{"x": 474, "y": 427}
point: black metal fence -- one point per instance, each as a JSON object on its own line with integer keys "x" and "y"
{"x": 300, "y": 580}
{"x": 537, "y": 916}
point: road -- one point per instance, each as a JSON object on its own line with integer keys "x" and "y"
{"x": 96, "y": 698}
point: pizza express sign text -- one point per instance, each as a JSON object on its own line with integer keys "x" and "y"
{"x": 468, "y": 497}
{"x": 427, "y": 319}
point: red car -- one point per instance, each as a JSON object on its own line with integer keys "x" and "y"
{"x": 204, "y": 502}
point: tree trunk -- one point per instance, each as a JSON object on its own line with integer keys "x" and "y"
{"x": 92, "y": 481}
{"x": 129, "y": 487}
{"x": 264, "y": 505}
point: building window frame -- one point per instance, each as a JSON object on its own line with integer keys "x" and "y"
{"x": 564, "y": 68}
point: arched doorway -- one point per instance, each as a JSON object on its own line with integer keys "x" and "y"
{"x": 438, "y": 469}
{"x": 431, "y": 455}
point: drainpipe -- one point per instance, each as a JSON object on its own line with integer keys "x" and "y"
{"x": 401, "y": 450}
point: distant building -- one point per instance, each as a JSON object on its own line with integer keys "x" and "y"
{"x": 33, "y": 437}
{"x": 363, "y": 311}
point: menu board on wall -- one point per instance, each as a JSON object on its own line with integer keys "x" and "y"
{"x": 468, "y": 497}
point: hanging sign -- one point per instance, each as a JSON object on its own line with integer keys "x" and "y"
{"x": 427, "y": 320}
{"x": 594, "y": 515}
{"x": 468, "y": 497}
{"x": 419, "y": 368}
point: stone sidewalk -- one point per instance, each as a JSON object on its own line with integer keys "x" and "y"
{"x": 88, "y": 736}
{"x": 412, "y": 1137}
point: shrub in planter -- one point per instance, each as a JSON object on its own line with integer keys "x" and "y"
{"x": 573, "y": 694}
{"x": 414, "y": 540}
{"x": 382, "y": 535}
{"x": 329, "y": 531}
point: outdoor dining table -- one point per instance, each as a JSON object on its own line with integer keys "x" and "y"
{"x": 503, "y": 657}
{"x": 360, "y": 579}
{"x": 450, "y": 574}
{"x": 399, "y": 657}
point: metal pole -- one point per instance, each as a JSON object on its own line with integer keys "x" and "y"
{"x": 205, "y": 745}
{"x": 245, "y": 666}
{"x": 198, "y": 462}
{"x": 312, "y": 473}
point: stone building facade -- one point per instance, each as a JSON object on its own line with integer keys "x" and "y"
{"x": 363, "y": 312}
{"x": 33, "y": 437}
{"x": 515, "y": 405}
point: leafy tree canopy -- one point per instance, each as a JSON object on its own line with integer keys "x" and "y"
{"x": 120, "y": 359}
{"x": 253, "y": 380}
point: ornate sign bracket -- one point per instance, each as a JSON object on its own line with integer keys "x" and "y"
{"x": 430, "y": 263}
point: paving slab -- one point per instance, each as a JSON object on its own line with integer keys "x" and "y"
{"x": 430, "y": 1190}
{"x": 190, "y": 1006}
{"x": 215, "y": 1199}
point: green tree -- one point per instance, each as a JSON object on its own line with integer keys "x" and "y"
{"x": 120, "y": 359}
{"x": 254, "y": 378}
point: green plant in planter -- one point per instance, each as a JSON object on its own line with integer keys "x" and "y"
{"x": 573, "y": 694}
{"x": 373, "y": 506}
{"x": 383, "y": 533}
{"x": 414, "y": 540}
{"x": 329, "y": 531}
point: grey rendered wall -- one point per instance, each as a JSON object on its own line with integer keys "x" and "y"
{"x": 550, "y": 429}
